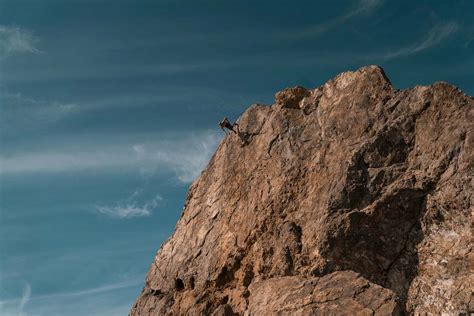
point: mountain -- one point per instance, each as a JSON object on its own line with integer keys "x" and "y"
{"x": 351, "y": 198}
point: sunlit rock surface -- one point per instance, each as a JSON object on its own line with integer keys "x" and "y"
{"x": 351, "y": 198}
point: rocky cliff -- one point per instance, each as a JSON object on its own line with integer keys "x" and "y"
{"x": 352, "y": 198}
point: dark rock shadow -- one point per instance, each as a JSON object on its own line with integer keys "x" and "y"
{"x": 378, "y": 230}
{"x": 246, "y": 137}
{"x": 381, "y": 245}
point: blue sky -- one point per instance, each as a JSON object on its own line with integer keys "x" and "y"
{"x": 108, "y": 111}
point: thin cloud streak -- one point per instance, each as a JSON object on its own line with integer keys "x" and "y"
{"x": 19, "y": 111}
{"x": 434, "y": 37}
{"x": 364, "y": 7}
{"x": 86, "y": 292}
{"x": 100, "y": 289}
{"x": 25, "y": 298}
{"x": 107, "y": 72}
{"x": 125, "y": 211}
{"x": 185, "y": 156}
{"x": 16, "y": 307}
{"x": 130, "y": 207}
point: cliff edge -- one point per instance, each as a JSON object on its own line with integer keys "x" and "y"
{"x": 351, "y": 198}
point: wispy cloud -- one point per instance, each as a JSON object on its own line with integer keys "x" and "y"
{"x": 185, "y": 155}
{"x": 96, "y": 290}
{"x": 99, "y": 301}
{"x": 16, "y": 40}
{"x": 16, "y": 307}
{"x": 111, "y": 71}
{"x": 434, "y": 37}
{"x": 130, "y": 207}
{"x": 25, "y": 298}
{"x": 186, "y": 160}
{"x": 364, "y": 7}
{"x": 18, "y": 111}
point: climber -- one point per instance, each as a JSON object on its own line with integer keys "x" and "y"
{"x": 225, "y": 123}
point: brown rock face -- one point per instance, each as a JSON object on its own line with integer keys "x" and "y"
{"x": 338, "y": 293}
{"x": 352, "y": 198}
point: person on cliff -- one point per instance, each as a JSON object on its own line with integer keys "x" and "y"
{"x": 225, "y": 123}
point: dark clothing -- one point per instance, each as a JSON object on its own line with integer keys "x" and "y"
{"x": 226, "y": 124}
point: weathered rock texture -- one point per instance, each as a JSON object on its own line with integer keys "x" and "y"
{"x": 353, "y": 198}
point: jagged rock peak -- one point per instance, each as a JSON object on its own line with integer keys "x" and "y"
{"x": 350, "y": 198}
{"x": 364, "y": 79}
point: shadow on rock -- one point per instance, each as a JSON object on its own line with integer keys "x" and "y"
{"x": 380, "y": 241}
{"x": 246, "y": 137}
